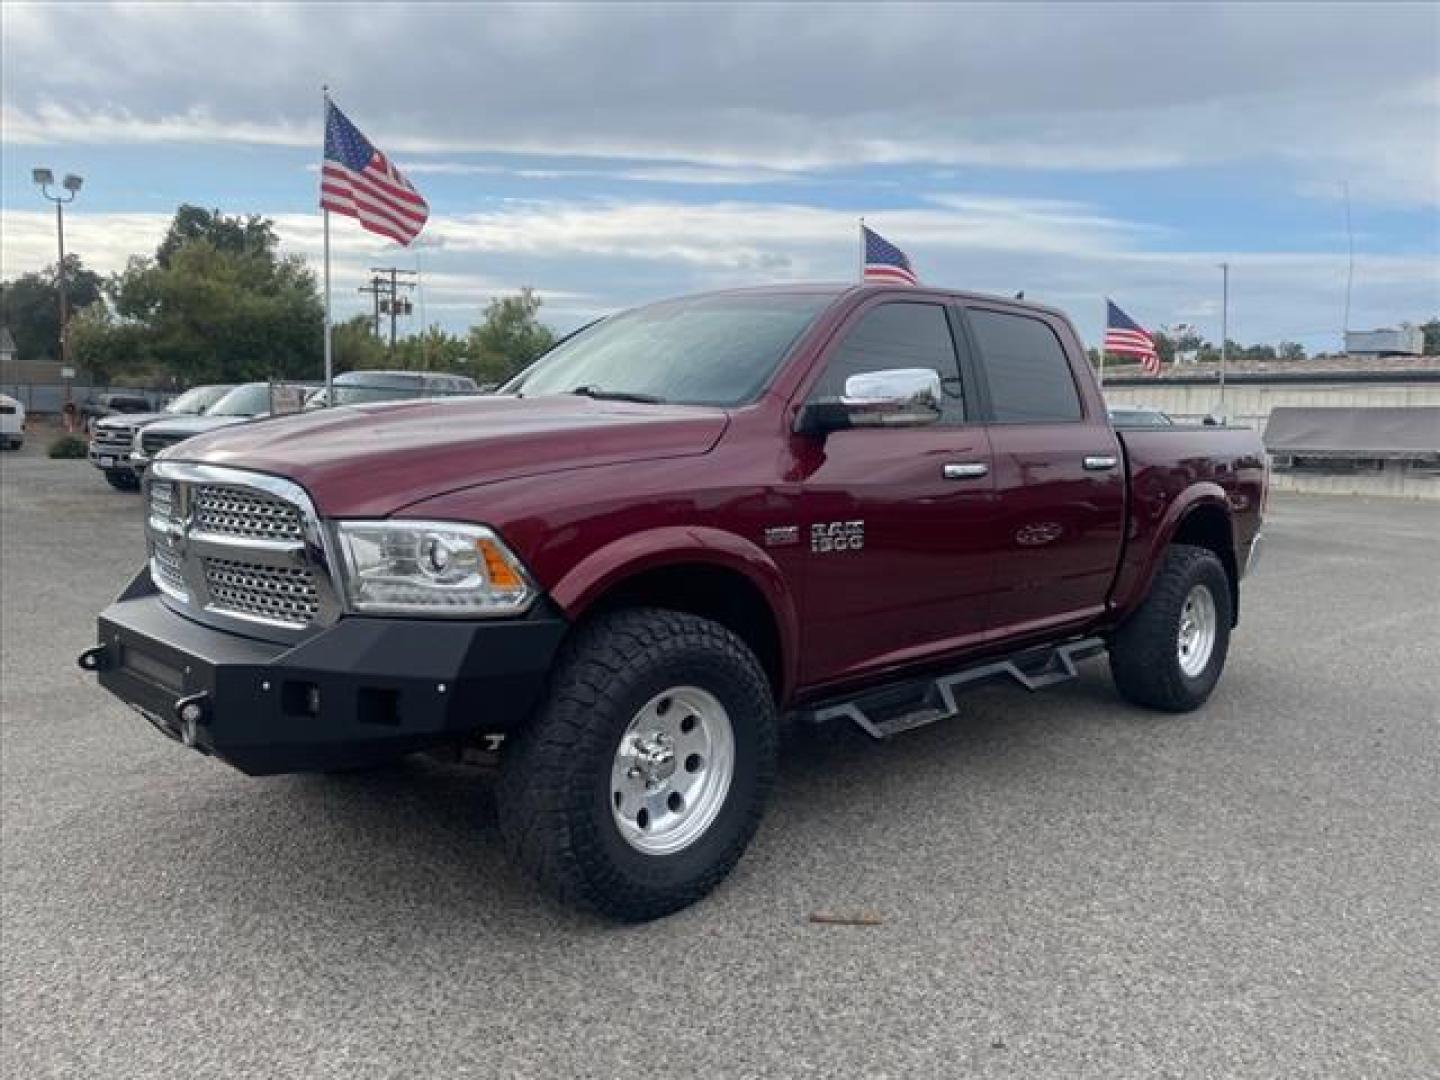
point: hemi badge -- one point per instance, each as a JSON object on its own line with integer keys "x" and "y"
{"x": 782, "y": 535}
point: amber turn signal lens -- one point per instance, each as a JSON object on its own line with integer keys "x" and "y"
{"x": 497, "y": 568}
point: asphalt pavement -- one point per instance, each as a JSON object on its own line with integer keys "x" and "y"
{"x": 1069, "y": 886}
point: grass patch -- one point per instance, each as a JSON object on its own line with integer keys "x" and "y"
{"x": 68, "y": 446}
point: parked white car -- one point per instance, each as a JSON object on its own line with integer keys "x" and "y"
{"x": 12, "y": 423}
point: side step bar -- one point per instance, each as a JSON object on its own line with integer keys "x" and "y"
{"x": 889, "y": 710}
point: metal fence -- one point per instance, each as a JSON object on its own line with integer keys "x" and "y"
{"x": 41, "y": 398}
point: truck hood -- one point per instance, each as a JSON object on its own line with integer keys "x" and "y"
{"x": 132, "y": 420}
{"x": 195, "y": 425}
{"x": 372, "y": 460}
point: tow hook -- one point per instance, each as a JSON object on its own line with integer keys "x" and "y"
{"x": 96, "y": 659}
{"x": 189, "y": 712}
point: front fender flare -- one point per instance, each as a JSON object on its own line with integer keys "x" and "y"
{"x": 593, "y": 576}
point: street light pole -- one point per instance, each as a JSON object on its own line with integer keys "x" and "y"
{"x": 44, "y": 178}
{"x": 1224, "y": 328}
{"x": 60, "y": 277}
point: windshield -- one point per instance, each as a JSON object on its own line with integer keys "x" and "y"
{"x": 703, "y": 350}
{"x": 355, "y": 395}
{"x": 1139, "y": 417}
{"x": 252, "y": 399}
{"x": 195, "y": 401}
{"x": 358, "y": 387}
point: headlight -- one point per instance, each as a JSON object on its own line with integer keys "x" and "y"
{"x": 431, "y": 568}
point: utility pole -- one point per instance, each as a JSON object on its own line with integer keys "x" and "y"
{"x": 1224, "y": 328}
{"x": 376, "y": 289}
{"x": 393, "y": 303}
{"x": 1349, "y": 272}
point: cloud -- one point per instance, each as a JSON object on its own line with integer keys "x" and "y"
{"x": 781, "y": 89}
{"x": 658, "y": 173}
{"x": 594, "y": 257}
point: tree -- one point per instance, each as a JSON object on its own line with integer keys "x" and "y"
{"x": 509, "y": 338}
{"x": 106, "y": 347}
{"x": 354, "y": 346}
{"x": 1164, "y": 347}
{"x": 1291, "y": 351}
{"x": 248, "y": 235}
{"x": 433, "y": 349}
{"x": 1432, "y": 337}
{"x": 217, "y": 304}
{"x": 31, "y": 306}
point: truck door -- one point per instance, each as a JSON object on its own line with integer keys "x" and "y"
{"x": 894, "y": 521}
{"x": 1059, "y": 477}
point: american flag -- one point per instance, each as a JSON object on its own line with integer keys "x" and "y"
{"x": 1123, "y": 335}
{"x": 884, "y": 261}
{"x": 359, "y": 181}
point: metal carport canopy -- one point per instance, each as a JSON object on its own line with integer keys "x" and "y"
{"x": 1376, "y": 432}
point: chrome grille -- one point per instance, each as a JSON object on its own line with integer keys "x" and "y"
{"x": 282, "y": 594}
{"x": 247, "y": 549}
{"x": 252, "y": 515}
{"x": 162, "y": 501}
{"x": 114, "y": 438}
{"x": 168, "y": 571}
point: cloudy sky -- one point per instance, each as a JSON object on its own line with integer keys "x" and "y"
{"x": 609, "y": 155}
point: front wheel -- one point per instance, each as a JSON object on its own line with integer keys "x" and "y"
{"x": 637, "y": 785}
{"x": 121, "y": 480}
{"x": 1170, "y": 652}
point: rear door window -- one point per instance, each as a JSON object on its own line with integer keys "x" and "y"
{"x": 1025, "y": 368}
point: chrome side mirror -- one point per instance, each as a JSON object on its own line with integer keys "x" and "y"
{"x": 895, "y": 397}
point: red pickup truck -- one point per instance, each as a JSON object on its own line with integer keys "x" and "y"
{"x": 679, "y": 525}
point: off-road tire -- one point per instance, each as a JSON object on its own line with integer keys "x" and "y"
{"x": 122, "y": 481}
{"x": 555, "y": 773}
{"x": 1144, "y": 659}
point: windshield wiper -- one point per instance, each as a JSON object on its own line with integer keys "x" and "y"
{"x": 601, "y": 394}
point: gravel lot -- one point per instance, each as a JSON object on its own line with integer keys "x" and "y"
{"x": 1070, "y": 886}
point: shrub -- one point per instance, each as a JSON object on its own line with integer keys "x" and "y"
{"x": 68, "y": 446}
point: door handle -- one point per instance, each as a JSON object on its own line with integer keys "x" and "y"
{"x": 1101, "y": 462}
{"x": 966, "y": 470}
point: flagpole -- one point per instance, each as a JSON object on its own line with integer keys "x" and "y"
{"x": 862, "y": 248}
{"x": 329, "y": 357}
{"x": 1102, "y": 344}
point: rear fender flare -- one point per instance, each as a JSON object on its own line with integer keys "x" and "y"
{"x": 1206, "y": 494}
{"x": 603, "y": 569}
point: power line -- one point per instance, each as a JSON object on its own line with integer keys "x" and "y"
{"x": 386, "y": 284}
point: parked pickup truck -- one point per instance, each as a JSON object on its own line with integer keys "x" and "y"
{"x": 113, "y": 437}
{"x": 248, "y": 401}
{"x": 680, "y": 524}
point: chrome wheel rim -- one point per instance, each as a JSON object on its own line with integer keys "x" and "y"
{"x": 672, "y": 770}
{"x": 1198, "y": 625}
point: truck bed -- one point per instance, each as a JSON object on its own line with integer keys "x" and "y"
{"x": 1170, "y": 468}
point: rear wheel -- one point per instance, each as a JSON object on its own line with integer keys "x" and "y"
{"x": 1170, "y": 652}
{"x": 638, "y": 784}
{"x": 122, "y": 480}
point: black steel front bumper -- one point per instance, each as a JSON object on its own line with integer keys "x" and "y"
{"x": 360, "y": 691}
